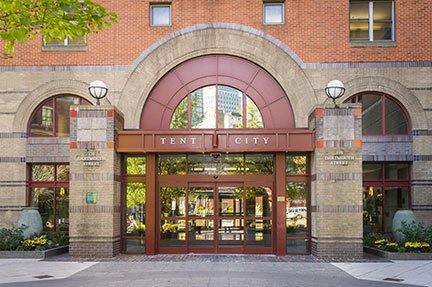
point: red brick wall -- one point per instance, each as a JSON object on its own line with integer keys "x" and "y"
{"x": 317, "y": 31}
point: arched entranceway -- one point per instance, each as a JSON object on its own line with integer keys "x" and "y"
{"x": 225, "y": 70}
{"x": 212, "y": 183}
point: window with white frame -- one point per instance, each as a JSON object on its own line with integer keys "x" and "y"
{"x": 68, "y": 42}
{"x": 371, "y": 21}
{"x": 160, "y": 14}
{"x": 273, "y": 13}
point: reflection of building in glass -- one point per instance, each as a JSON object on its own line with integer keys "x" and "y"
{"x": 197, "y": 107}
{"x": 230, "y": 106}
{"x": 203, "y": 103}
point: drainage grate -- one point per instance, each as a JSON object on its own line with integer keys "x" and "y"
{"x": 393, "y": 279}
{"x": 43, "y": 276}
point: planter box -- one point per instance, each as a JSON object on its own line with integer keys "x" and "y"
{"x": 398, "y": 255}
{"x": 36, "y": 254}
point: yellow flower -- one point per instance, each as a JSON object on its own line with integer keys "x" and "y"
{"x": 381, "y": 241}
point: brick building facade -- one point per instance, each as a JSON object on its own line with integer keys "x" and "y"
{"x": 279, "y": 55}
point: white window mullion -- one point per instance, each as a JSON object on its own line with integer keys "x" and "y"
{"x": 371, "y": 21}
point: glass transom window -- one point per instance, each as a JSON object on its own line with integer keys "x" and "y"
{"x": 381, "y": 115}
{"x": 51, "y": 118}
{"x": 273, "y": 13}
{"x": 218, "y": 106}
{"x": 160, "y": 15}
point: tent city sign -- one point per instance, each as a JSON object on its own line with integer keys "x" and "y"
{"x": 220, "y": 140}
{"x": 248, "y": 140}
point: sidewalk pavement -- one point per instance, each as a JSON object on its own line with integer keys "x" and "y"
{"x": 215, "y": 270}
{"x": 407, "y": 271}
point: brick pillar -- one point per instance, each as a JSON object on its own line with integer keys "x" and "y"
{"x": 336, "y": 182}
{"x": 421, "y": 190}
{"x": 94, "y": 204}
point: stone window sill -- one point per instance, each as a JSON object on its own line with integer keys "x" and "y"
{"x": 373, "y": 44}
{"x": 64, "y": 48}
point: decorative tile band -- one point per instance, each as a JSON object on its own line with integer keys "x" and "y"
{"x": 421, "y": 182}
{"x": 337, "y": 208}
{"x": 95, "y": 113}
{"x": 91, "y": 145}
{"x": 47, "y": 140}
{"x": 388, "y": 139}
{"x": 11, "y": 207}
{"x": 13, "y": 135}
{"x": 338, "y": 143}
{"x": 422, "y": 157}
{"x": 422, "y": 207}
{"x": 417, "y": 133}
{"x": 94, "y": 209}
{"x": 93, "y": 239}
{"x": 12, "y": 159}
{"x": 339, "y": 112}
{"x": 46, "y": 159}
{"x": 13, "y": 183}
{"x": 391, "y": 157}
{"x": 337, "y": 176}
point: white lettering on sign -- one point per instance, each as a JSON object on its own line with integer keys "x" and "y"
{"x": 253, "y": 140}
{"x": 193, "y": 140}
{"x": 181, "y": 141}
{"x": 339, "y": 158}
{"x": 90, "y": 158}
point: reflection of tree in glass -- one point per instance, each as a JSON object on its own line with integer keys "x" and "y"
{"x": 172, "y": 164}
{"x": 296, "y": 164}
{"x": 253, "y": 116}
{"x": 63, "y": 172}
{"x": 43, "y": 199}
{"x": 136, "y": 165}
{"x": 296, "y": 190}
{"x": 259, "y": 164}
{"x": 167, "y": 196}
{"x": 180, "y": 116}
{"x": 231, "y": 164}
{"x": 253, "y": 208}
{"x": 135, "y": 194}
{"x": 43, "y": 172}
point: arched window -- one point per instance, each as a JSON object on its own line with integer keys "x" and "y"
{"x": 381, "y": 115}
{"x": 216, "y": 106}
{"x": 51, "y": 118}
{"x": 386, "y": 185}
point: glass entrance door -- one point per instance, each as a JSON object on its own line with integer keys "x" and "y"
{"x": 216, "y": 218}
{"x": 230, "y": 219}
{"x": 201, "y": 218}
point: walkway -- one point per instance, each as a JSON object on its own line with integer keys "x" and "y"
{"x": 213, "y": 270}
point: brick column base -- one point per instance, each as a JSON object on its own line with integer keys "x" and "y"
{"x": 339, "y": 250}
{"x": 88, "y": 249}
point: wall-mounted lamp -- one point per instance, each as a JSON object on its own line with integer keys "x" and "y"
{"x": 98, "y": 90}
{"x": 334, "y": 90}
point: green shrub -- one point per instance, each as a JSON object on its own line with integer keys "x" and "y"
{"x": 10, "y": 239}
{"x": 371, "y": 238}
{"x": 416, "y": 232}
{"x": 57, "y": 238}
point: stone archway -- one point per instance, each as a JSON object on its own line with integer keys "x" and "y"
{"x": 202, "y": 71}
{"x": 45, "y": 91}
{"x": 380, "y": 84}
{"x": 217, "y": 39}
